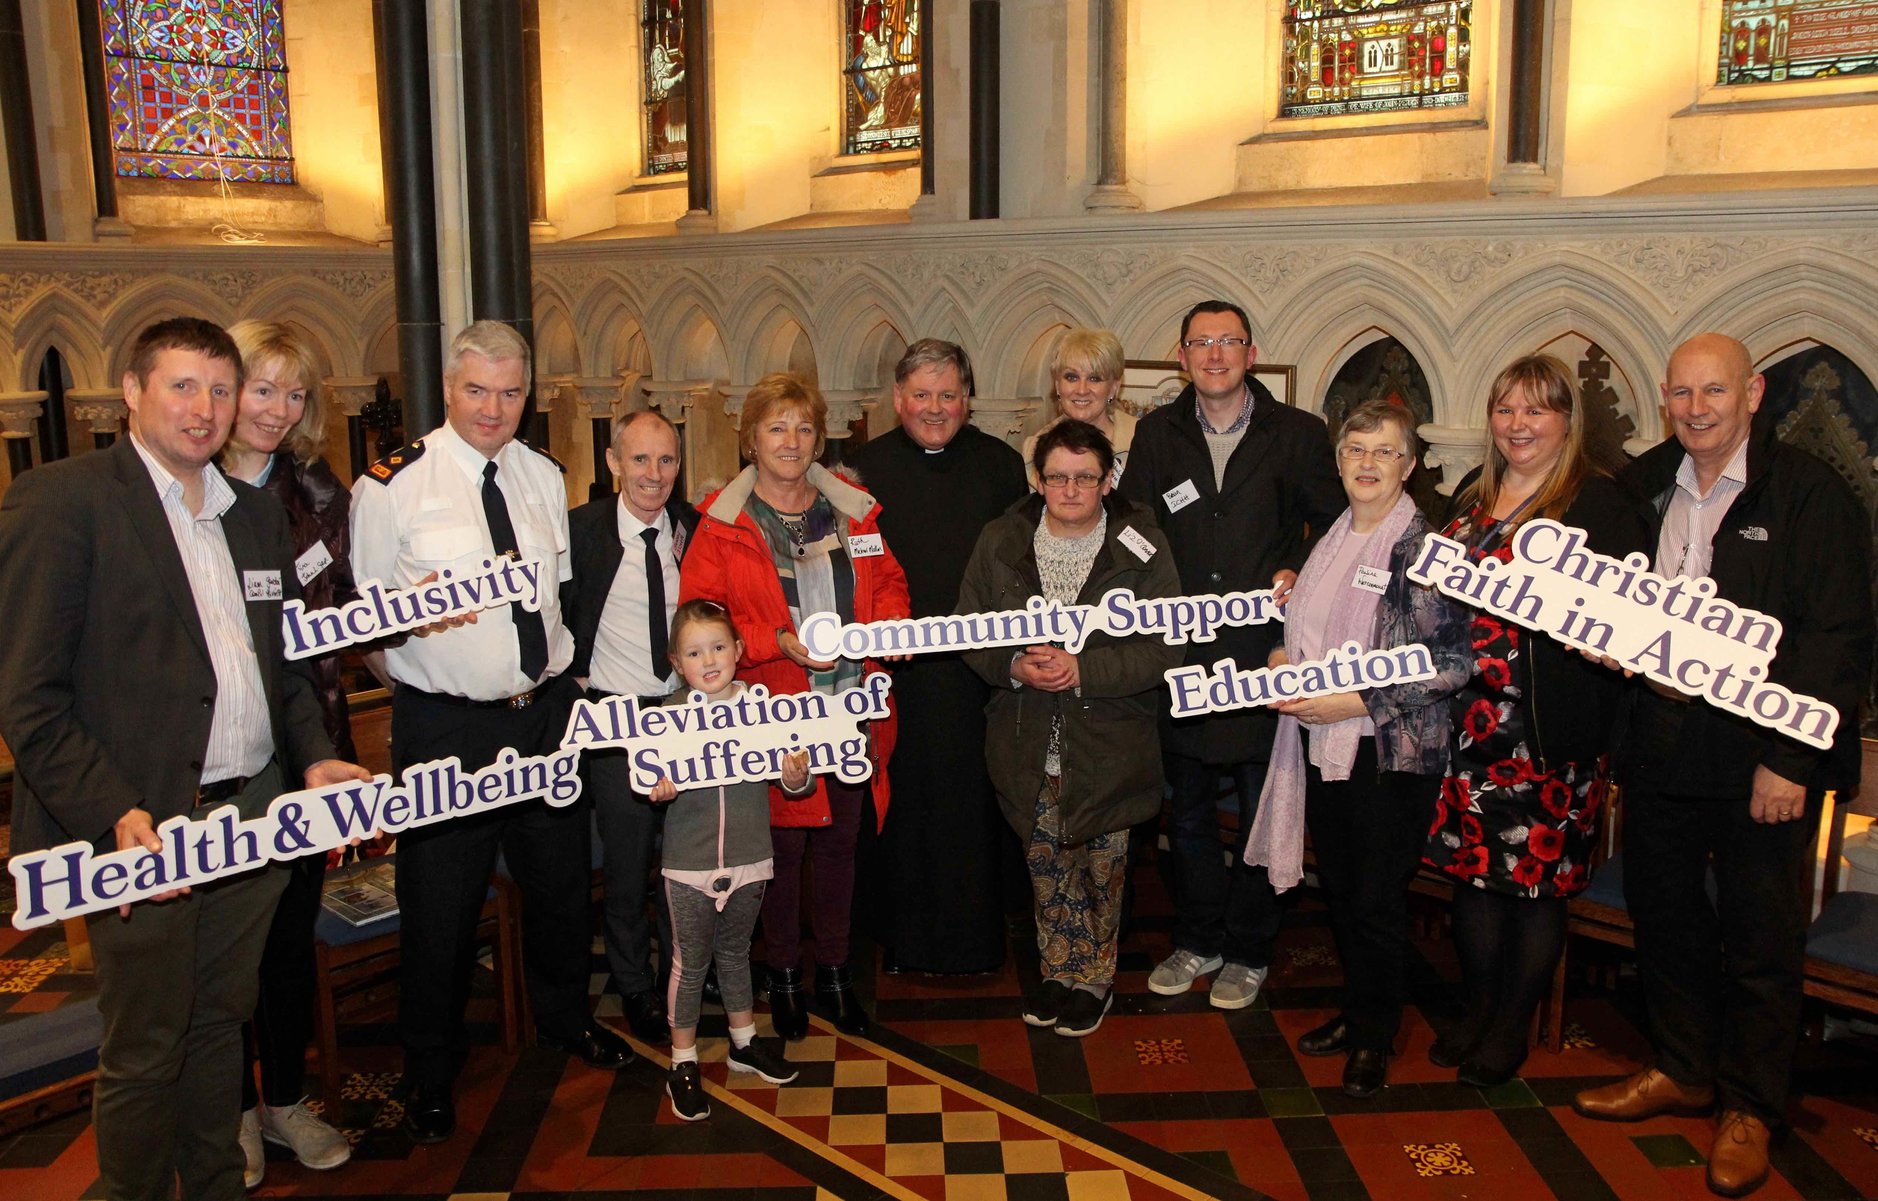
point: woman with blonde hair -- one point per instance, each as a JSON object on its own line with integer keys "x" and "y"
{"x": 1086, "y": 377}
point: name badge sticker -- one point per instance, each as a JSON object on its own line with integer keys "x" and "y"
{"x": 1180, "y": 496}
{"x": 864, "y": 546}
{"x": 1371, "y": 579}
{"x": 260, "y": 585}
{"x": 1134, "y": 541}
{"x": 316, "y": 559}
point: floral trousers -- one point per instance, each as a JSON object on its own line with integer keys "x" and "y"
{"x": 1078, "y": 893}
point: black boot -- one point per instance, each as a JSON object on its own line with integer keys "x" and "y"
{"x": 834, "y": 992}
{"x": 787, "y": 1011}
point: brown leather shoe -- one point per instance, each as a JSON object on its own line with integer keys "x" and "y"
{"x": 1737, "y": 1164}
{"x": 1641, "y": 1096}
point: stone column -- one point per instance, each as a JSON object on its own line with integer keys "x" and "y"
{"x": 847, "y": 406}
{"x": 1006, "y": 419}
{"x": 16, "y": 113}
{"x": 540, "y": 229}
{"x": 19, "y": 411}
{"x": 1453, "y": 451}
{"x": 98, "y": 124}
{"x": 1524, "y": 171}
{"x": 410, "y": 181}
{"x": 700, "y": 142}
{"x": 675, "y": 398}
{"x": 102, "y": 410}
{"x": 600, "y": 398}
{"x": 1111, "y": 194}
{"x": 350, "y": 394}
{"x": 547, "y": 391}
{"x": 984, "y": 117}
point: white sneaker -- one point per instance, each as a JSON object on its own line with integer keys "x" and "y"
{"x": 1237, "y": 986}
{"x": 314, "y": 1143}
{"x": 1177, "y": 972}
{"x": 253, "y": 1156}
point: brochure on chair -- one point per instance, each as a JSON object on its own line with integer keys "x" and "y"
{"x": 364, "y": 893}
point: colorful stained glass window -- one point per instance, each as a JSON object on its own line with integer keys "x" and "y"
{"x": 198, "y": 89}
{"x": 662, "y": 47}
{"x": 881, "y": 89}
{"x": 1373, "y": 56}
{"x": 1770, "y": 41}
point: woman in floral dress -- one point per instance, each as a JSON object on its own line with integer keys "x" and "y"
{"x": 1521, "y": 804}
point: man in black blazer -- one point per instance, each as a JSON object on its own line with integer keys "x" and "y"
{"x": 625, "y": 552}
{"x": 142, "y": 678}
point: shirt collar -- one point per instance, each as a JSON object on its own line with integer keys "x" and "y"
{"x": 1736, "y": 471}
{"x": 1238, "y": 423}
{"x": 630, "y": 527}
{"x": 466, "y": 456}
{"x": 217, "y": 495}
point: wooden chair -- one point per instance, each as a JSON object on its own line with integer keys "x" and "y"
{"x": 1842, "y": 942}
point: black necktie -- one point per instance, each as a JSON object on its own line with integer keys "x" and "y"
{"x": 655, "y": 605}
{"x": 530, "y": 634}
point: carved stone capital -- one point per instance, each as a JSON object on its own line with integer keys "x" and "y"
{"x": 550, "y": 388}
{"x": 351, "y": 393}
{"x": 1006, "y": 418}
{"x": 675, "y": 397}
{"x": 847, "y": 406}
{"x": 101, "y": 409}
{"x": 603, "y": 397}
{"x": 1453, "y": 451}
{"x": 19, "y": 411}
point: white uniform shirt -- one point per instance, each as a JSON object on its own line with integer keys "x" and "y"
{"x": 429, "y": 516}
{"x": 622, "y": 653}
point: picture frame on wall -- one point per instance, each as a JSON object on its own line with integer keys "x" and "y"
{"x": 1147, "y": 384}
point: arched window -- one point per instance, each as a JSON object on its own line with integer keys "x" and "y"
{"x": 1371, "y": 56}
{"x": 1764, "y": 41}
{"x": 198, "y": 89}
{"x": 662, "y": 77}
{"x": 882, "y": 93}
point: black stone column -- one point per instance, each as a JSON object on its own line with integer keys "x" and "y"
{"x": 699, "y": 139}
{"x": 929, "y": 89}
{"x": 984, "y": 110}
{"x": 52, "y": 440}
{"x": 1525, "y": 100}
{"x": 16, "y": 110}
{"x": 97, "y": 114}
{"x": 411, "y": 204}
{"x": 531, "y": 95}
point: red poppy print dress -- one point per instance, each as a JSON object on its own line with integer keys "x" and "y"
{"x": 1502, "y": 824}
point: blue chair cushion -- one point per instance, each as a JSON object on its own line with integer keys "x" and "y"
{"x": 1607, "y": 884}
{"x": 1846, "y": 932}
{"x": 42, "y": 1049}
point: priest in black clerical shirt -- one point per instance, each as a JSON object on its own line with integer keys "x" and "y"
{"x": 935, "y": 877}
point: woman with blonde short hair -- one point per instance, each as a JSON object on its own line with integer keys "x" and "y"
{"x": 1086, "y": 380}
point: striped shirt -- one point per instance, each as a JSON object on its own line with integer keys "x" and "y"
{"x": 241, "y": 736}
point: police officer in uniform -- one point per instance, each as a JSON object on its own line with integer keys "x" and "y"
{"x": 471, "y": 687}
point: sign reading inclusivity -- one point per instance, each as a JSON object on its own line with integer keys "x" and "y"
{"x": 1176, "y": 619}
{"x": 1674, "y": 631}
{"x": 381, "y": 611}
{"x": 74, "y": 879}
{"x": 700, "y": 742}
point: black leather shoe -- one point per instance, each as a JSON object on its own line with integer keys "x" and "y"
{"x": 889, "y": 962}
{"x": 597, "y": 1047}
{"x": 1331, "y": 1038}
{"x": 645, "y": 1014}
{"x": 1365, "y": 1072}
{"x": 1486, "y": 1075}
{"x": 787, "y": 1010}
{"x": 429, "y": 1115}
{"x": 834, "y": 993}
{"x": 1451, "y": 1048}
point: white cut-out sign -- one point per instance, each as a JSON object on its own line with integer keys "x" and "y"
{"x": 74, "y": 879}
{"x": 382, "y": 611}
{"x": 1675, "y": 631}
{"x": 1225, "y": 686}
{"x": 1175, "y": 619}
{"x": 702, "y": 742}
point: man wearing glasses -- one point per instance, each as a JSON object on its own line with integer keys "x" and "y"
{"x": 1243, "y": 486}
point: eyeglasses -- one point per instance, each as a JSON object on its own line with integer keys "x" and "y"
{"x": 1210, "y": 343}
{"x": 1082, "y": 479}
{"x": 1382, "y": 454}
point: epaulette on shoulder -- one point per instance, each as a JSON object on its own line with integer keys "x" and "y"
{"x": 544, "y": 454}
{"x": 396, "y": 461}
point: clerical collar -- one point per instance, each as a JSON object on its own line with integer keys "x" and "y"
{"x": 1239, "y": 423}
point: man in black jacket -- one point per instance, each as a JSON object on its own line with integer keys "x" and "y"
{"x": 625, "y": 552}
{"x": 1243, "y": 486}
{"x": 1779, "y": 531}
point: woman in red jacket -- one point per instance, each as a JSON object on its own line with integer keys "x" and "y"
{"x": 785, "y": 539}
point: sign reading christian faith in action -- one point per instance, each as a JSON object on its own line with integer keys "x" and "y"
{"x": 694, "y": 744}
{"x": 382, "y": 611}
{"x": 1674, "y": 631}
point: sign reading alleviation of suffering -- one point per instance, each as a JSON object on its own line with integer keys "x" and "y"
{"x": 702, "y": 742}
{"x": 381, "y": 611}
{"x": 1674, "y": 631}
{"x": 1226, "y": 685}
{"x": 1176, "y": 619}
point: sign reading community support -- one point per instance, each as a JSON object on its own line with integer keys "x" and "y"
{"x": 1674, "y": 631}
{"x": 382, "y": 611}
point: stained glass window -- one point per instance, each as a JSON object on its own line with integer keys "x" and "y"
{"x": 1767, "y": 41}
{"x": 881, "y": 89}
{"x": 662, "y": 47}
{"x": 1372, "y": 56}
{"x": 198, "y": 89}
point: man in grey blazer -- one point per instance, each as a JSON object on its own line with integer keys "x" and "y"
{"x": 142, "y": 678}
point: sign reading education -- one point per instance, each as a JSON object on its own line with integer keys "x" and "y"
{"x": 1674, "y": 631}
{"x": 1227, "y": 686}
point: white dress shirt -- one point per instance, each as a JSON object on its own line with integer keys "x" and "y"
{"x": 1686, "y": 544}
{"x": 429, "y": 516}
{"x": 622, "y": 653}
{"x": 241, "y": 735}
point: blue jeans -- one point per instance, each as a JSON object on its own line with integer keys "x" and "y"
{"x": 1229, "y": 912}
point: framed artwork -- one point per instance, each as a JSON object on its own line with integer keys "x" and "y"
{"x": 1148, "y": 384}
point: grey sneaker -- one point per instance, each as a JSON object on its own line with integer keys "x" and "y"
{"x": 313, "y": 1142}
{"x": 253, "y": 1155}
{"x": 1237, "y": 986}
{"x": 1177, "y": 972}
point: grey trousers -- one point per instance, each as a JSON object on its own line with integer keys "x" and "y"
{"x": 705, "y": 936}
{"x": 176, "y": 980}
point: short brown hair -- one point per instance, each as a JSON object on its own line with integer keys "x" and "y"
{"x": 935, "y": 352}
{"x": 266, "y": 343}
{"x": 1372, "y": 415}
{"x": 781, "y": 392}
{"x": 182, "y": 333}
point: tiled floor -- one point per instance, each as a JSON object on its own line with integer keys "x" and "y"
{"x": 955, "y": 1099}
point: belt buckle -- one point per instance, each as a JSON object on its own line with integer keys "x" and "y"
{"x": 522, "y": 700}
